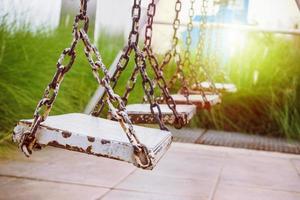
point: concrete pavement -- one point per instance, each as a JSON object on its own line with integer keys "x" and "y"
{"x": 188, "y": 171}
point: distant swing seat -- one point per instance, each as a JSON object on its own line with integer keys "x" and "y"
{"x": 220, "y": 87}
{"x": 96, "y": 136}
{"x": 141, "y": 113}
{"x": 198, "y": 100}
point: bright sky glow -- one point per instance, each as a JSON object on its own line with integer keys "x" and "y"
{"x": 36, "y": 14}
{"x": 235, "y": 40}
{"x": 274, "y": 13}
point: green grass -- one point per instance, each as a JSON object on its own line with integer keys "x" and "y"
{"x": 269, "y": 106}
{"x": 27, "y": 65}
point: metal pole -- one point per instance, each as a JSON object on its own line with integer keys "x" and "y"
{"x": 238, "y": 27}
{"x": 100, "y": 90}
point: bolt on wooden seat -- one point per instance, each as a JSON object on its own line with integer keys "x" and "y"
{"x": 96, "y": 136}
{"x": 198, "y": 100}
{"x": 220, "y": 87}
{"x": 141, "y": 113}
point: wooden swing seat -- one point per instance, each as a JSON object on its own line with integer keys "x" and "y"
{"x": 197, "y": 100}
{"x": 221, "y": 87}
{"x": 96, "y": 136}
{"x": 141, "y": 113}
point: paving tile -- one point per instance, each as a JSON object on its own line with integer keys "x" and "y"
{"x": 296, "y": 164}
{"x": 5, "y": 180}
{"x": 200, "y": 150}
{"x": 234, "y": 192}
{"x": 133, "y": 195}
{"x": 263, "y": 172}
{"x": 188, "y": 171}
{"x": 259, "y": 153}
{"x": 215, "y": 151}
{"x": 165, "y": 185}
{"x": 66, "y": 166}
{"x": 186, "y": 135}
{"x": 188, "y": 165}
{"x": 29, "y": 189}
{"x": 18, "y": 168}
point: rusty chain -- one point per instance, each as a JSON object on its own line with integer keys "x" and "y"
{"x": 28, "y": 139}
{"x": 44, "y": 106}
{"x": 216, "y": 51}
{"x": 211, "y": 57}
{"x": 187, "y": 54}
{"x": 173, "y": 53}
{"x": 121, "y": 65}
{"x": 130, "y": 84}
{"x": 140, "y": 67}
{"x": 147, "y": 83}
{"x": 159, "y": 79}
{"x": 199, "y": 61}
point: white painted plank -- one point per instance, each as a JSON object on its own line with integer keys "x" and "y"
{"x": 221, "y": 87}
{"x": 96, "y": 136}
{"x": 141, "y": 113}
{"x": 197, "y": 100}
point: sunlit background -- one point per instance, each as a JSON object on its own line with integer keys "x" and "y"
{"x": 256, "y": 47}
{"x": 114, "y": 16}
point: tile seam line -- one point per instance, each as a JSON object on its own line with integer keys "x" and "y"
{"x": 114, "y": 186}
{"x": 217, "y": 182}
{"x": 201, "y": 136}
{"x": 291, "y": 161}
{"x": 87, "y": 185}
{"x": 52, "y": 181}
{"x": 262, "y": 188}
{"x": 145, "y": 192}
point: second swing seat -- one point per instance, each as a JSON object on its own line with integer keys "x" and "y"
{"x": 198, "y": 100}
{"x": 141, "y": 113}
{"x": 220, "y": 87}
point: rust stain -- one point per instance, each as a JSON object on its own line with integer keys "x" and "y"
{"x": 149, "y": 119}
{"x": 105, "y": 141}
{"x": 66, "y": 134}
{"x": 56, "y": 144}
{"x": 27, "y": 123}
{"x": 74, "y": 148}
{"x": 81, "y": 150}
{"x": 91, "y": 139}
{"x": 50, "y": 128}
{"x": 89, "y": 149}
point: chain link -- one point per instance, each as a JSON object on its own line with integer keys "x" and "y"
{"x": 159, "y": 79}
{"x": 140, "y": 63}
{"x": 199, "y": 61}
{"x": 216, "y": 51}
{"x": 173, "y": 53}
{"x": 120, "y": 114}
{"x": 28, "y": 140}
{"x": 187, "y": 54}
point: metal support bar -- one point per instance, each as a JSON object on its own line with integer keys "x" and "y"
{"x": 100, "y": 90}
{"x": 237, "y": 27}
